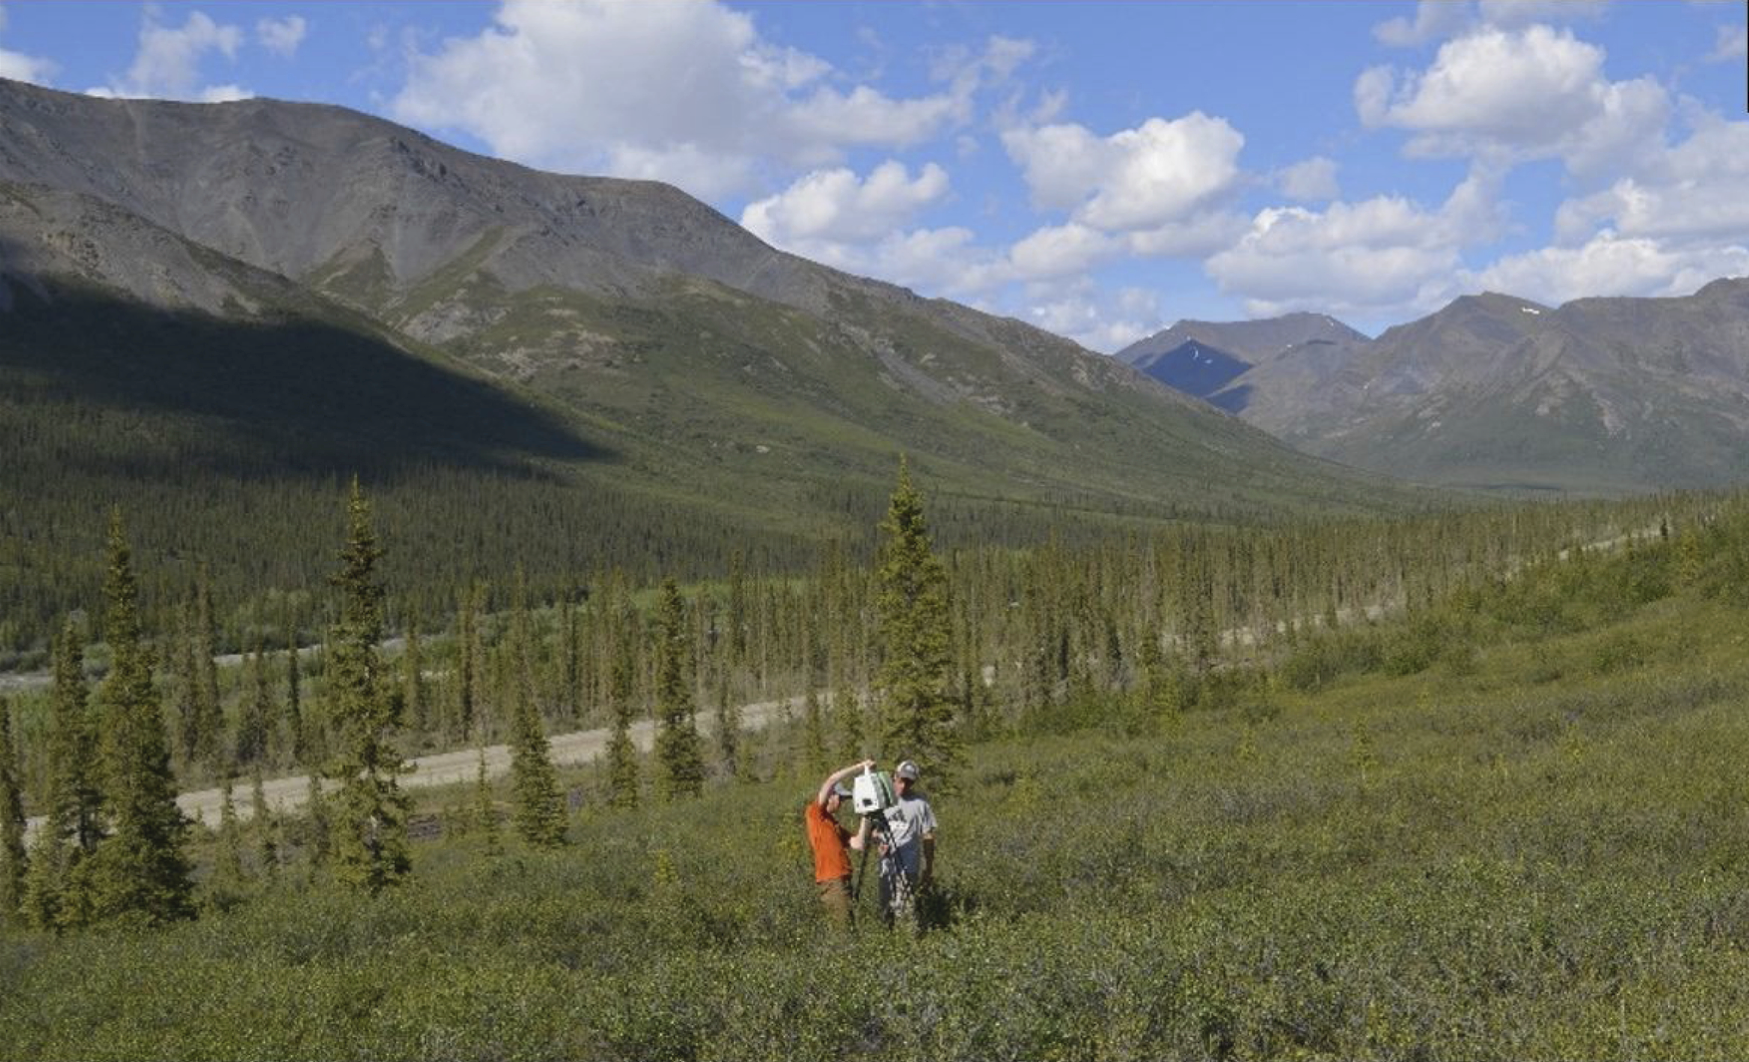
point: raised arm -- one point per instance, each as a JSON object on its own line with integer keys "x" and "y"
{"x": 838, "y": 776}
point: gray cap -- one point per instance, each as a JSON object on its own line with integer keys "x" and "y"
{"x": 906, "y": 770}
{"x": 840, "y": 790}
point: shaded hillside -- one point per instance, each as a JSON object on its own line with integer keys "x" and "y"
{"x": 288, "y": 294}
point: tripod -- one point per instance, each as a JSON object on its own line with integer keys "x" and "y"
{"x": 900, "y": 897}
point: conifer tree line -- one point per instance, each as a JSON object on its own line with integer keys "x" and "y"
{"x": 908, "y": 652}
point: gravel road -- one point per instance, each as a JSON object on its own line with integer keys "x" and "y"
{"x": 445, "y": 768}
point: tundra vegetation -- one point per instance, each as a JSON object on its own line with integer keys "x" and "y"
{"x": 1461, "y": 785}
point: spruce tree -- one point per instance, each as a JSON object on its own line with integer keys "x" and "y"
{"x": 302, "y": 750}
{"x": 72, "y": 822}
{"x": 265, "y": 827}
{"x": 622, "y": 755}
{"x": 225, "y": 886}
{"x": 465, "y": 721}
{"x": 414, "y": 696}
{"x": 12, "y": 854}
{"x": 534, "y": 781}
{"x": 678, "y": 748}
{"x": 139, "y": 870}
{"x": 485, "y": 812}
{"x": 205, "y": 729}
{"x": 318, "y": 834}
{"x": 916, "y": 640}
{"x": 728, "y": 720}
{"x": 813, "y": 734}
{"x": 255, "y": 713}
{"x": 369, "y": 815}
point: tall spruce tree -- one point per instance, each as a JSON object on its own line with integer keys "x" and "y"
{"x": 415, "y": 699}
{"x": 139, "y": 869}
{"x": 294, "y": 707}
{"x": 534, "y": 781}
{"x": 916, "y": 638}
{"x": 622, "y": 755}
{"x": 370, "y": 809}
{"x": 12, "y": 854}
{"x": 205, "y": 730}
{"x": 264, "y": 825}
{"x": 72, "y": 822}
{"x": 678, "y": 747}
{"x": 255, "y": 713}
{"x": 728, "y": 719}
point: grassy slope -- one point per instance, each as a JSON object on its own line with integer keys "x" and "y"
{"x": 1534, "y": 848}
{"x": 734, "y": 397}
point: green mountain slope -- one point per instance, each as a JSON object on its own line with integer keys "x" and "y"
{"x": 210, "y": 306}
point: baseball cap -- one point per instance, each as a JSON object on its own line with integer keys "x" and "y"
{"x": 906, "y": 770}
{"x": 841, "y": 790}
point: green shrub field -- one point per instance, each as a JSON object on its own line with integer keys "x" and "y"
{"x": 1512, "y": 825}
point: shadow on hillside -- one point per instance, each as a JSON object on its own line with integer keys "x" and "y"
{"x": 300, "y": 395}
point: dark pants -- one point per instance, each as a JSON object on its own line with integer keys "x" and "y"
{"x": 835, "y": 897}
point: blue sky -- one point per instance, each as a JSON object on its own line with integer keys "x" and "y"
{"x": 1099, "y": 169}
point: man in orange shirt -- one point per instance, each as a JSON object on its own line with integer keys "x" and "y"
{"x": 832, "y": 843}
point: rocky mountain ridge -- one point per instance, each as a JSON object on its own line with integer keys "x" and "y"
{"x": 1597, "y": 395}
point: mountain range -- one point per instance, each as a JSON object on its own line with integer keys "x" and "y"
{"x": 1599, "y": 395}
{"x": 261, "y": 292}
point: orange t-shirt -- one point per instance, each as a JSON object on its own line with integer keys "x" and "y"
{"x": 830, "y": 842}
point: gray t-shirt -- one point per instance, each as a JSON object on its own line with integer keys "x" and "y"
{"x": 908, "y": 820}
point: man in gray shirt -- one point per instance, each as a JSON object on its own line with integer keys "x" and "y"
{"x": 908, "y": 856}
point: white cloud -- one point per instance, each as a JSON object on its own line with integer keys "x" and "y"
{"x": 21, "y": 67}
{"x": 834, "y": 205}
{"x": 1610, "y": 264}
{"x": 223, "y": 94}
{"x": 1158, "y": 173}
{"x": 1062, "y": 250}
{"x": 167, "y": 64}
{"x": 1693, "y": 191}
{"x": 1535, "y": 93}
{"x": 1439, "y": 19}
{"x": 1733, "y": 43}
{"x": 1381, "y": 256}
{"x": 683, "y": 90}
{"x": 861, "y": 225}
{"x": 1196, "y": 237}
{"x": 281, "y": 36}
{"x": 1309, "y": 180}
{"x": 1096, "y": 320}
{"x": 1433, "y": 19}
{"x": 1511, "y": 13}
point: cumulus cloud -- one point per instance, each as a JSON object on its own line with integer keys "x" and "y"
{"x": 1733, "y": 43}
{"x": 1511, "y": 13}
{"x": 1516, "y": 95}
{"x": 1385, "y": 255}
{"x": 1096, "y": 319}
{"x": 1439, "y": 19}
{"x": 281, "y": 36}
{"x": 1692, "y": 191}
{"x": 167, "y": 64}
{"x": 834, "y": 205}
{"x": 1612, "y": 264}
{"x": 1061, "y": 251}
{"x": 1160, "y": 172}
{"x": 1433, "y": 19}
{"x": 682, "y": 90}
{"x": 1309, "y": 180}
{"x": 864, "y": 225}
{"x": 21, "y": 67}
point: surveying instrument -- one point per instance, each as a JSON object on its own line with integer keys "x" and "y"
{"x": 871, "y": 794}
